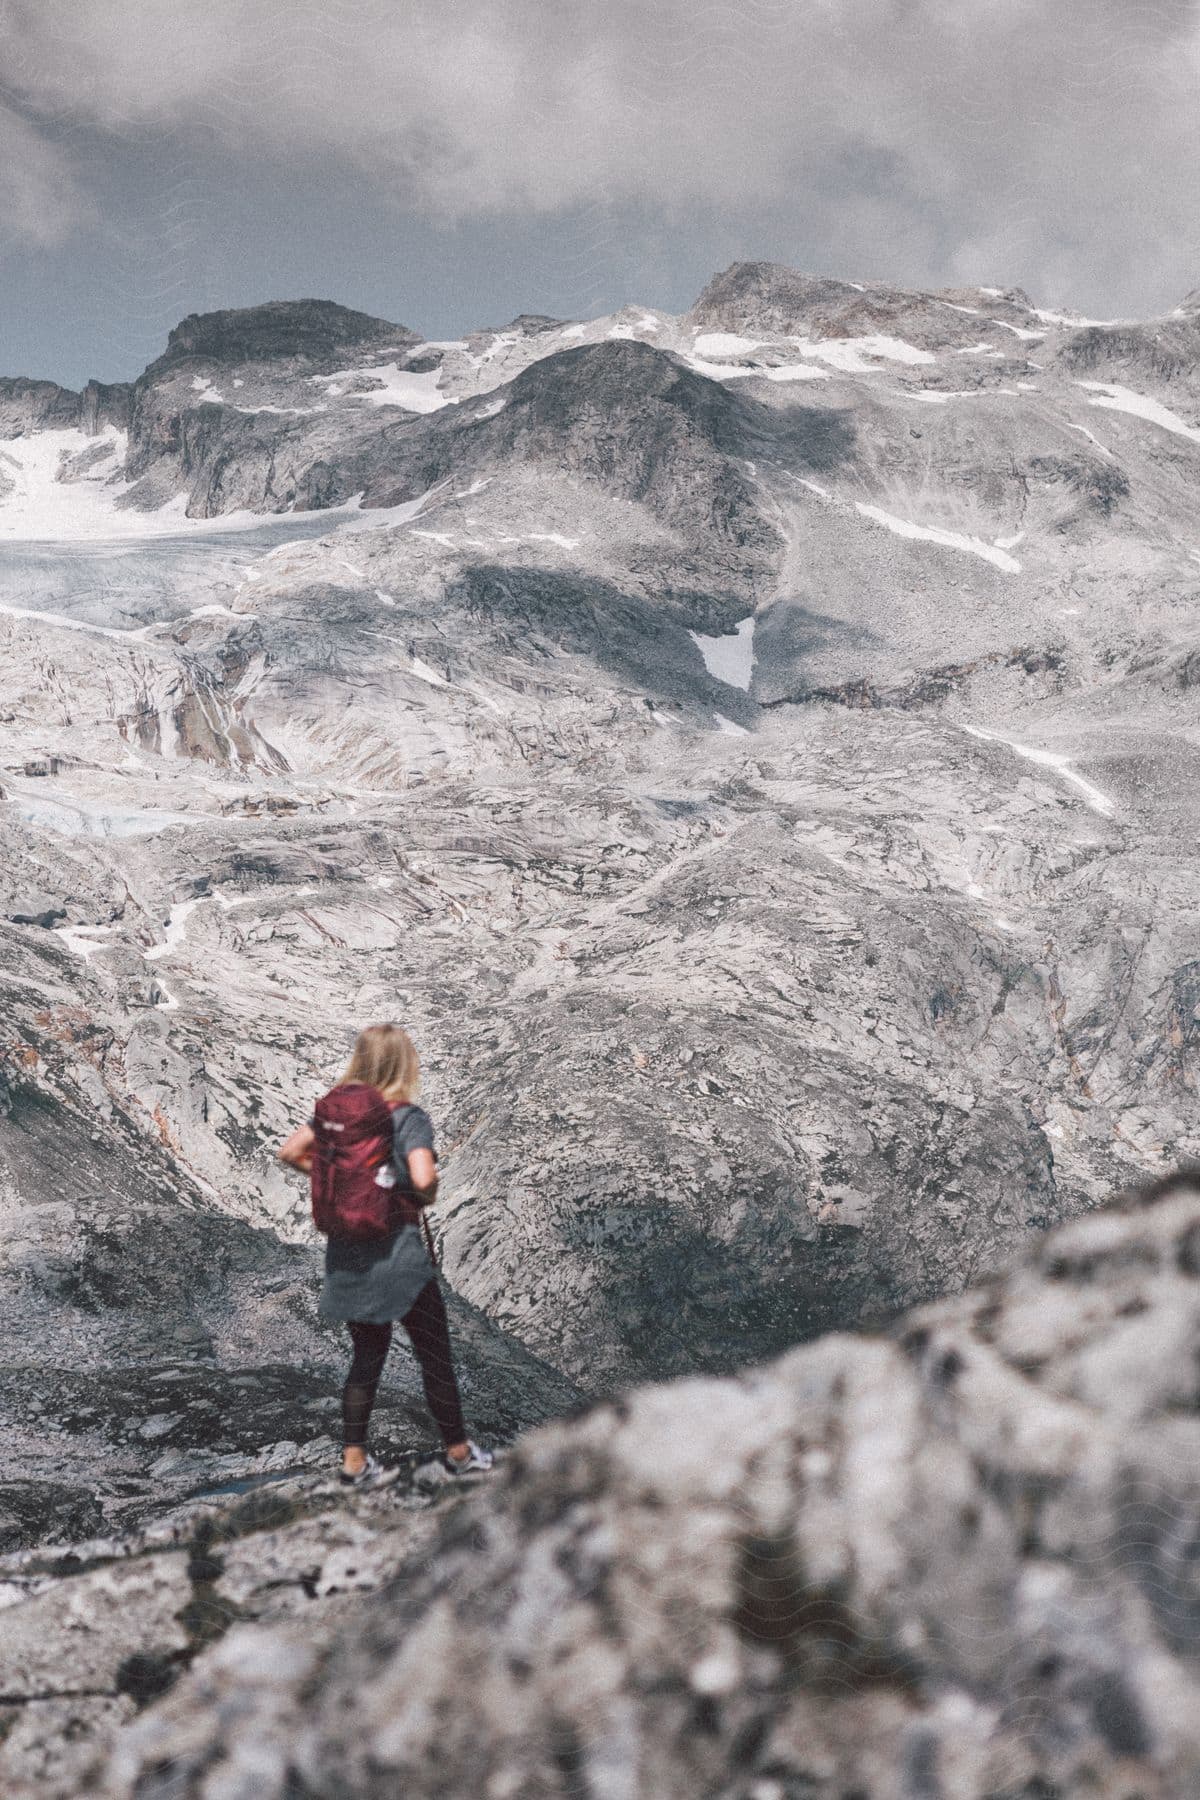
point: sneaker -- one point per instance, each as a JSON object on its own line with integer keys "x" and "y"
{"x": 475, "y": 1462}
{"x": 371, "y": 1475}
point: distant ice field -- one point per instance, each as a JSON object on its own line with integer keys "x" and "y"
{"x": 127, "y": 583}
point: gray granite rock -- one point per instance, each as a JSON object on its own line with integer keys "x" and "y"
{"x": 950, "y": 1560}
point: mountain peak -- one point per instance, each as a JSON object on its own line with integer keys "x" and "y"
{"x": 772, "y": 299}
{"x": 756, "y": 291}
{"x": 307, "y": 329}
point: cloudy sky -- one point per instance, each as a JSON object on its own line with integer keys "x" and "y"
{"x": 448, "y": 163}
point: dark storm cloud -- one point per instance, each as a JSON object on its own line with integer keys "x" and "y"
{"x": 1052, "y": 141}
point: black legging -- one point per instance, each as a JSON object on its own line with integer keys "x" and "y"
{"x": 429, "y": 1334}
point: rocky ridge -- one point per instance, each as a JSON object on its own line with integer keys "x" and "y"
{"x": 954, "y": 1559}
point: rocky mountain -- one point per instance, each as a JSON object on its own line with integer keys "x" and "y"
{"x": 955, "y": 1559}
{"x": 753, "y": 751}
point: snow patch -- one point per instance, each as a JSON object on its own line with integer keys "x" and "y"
{"x": 41, "y": 509}
{"x": 374, "y": 518}
{"x": 265, "y": 406}
{"x": 38, "y": 505}
{"x": 214, "y": 610}
{"x": 1104, "y": 451}
{"x": 397, "y": 387}
{"x": 1123, "y": 399}
{"x": 1068, "y": 318}
{"x": 176, "y": 930}
{"x": 949, "y": 540}
{"x": 975, "y": 393}
{"x": 795, "y": 372}
{"x": 729, "y": 658}
{"x": 501, "y": 340}
{"x": 734, "y": 371}
{"x": 720, "y": 371}
{"x": 721, "y": 344}
{"x": 629, "y": 326}
{"x": 65, "y": 623}
{"x": 425, "y": 673}
{"x": 851, "y": 354}
{"x": 1050, "y": 759}
{"x": 728, "y": 727}
{"x": 81, "y": 939}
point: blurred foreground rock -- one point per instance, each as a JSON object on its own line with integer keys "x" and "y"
{"x": 957, "y": 1560}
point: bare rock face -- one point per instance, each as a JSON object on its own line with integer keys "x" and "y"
{"x": 951, "y": 1560}
{"x": 32, "y": 406}
{"x": 628, "y": 420}
{"x": 35, "y": 406}
{"x": 753, "y": 752}
{"x": 775, "y": 300}
{"x": 266, "y": 447}
{"x": 1163, "y": 352}
{"x": 292, "y": 330}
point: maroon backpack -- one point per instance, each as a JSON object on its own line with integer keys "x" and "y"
{"x": 354, "y": 1186}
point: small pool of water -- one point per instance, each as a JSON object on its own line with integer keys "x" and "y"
{"x": 246, "y": 1484}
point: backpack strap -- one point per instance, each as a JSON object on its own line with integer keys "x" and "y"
{"x": 405, "y": 1106}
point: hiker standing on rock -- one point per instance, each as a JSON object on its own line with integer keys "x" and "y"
{"x": 369, "y": 1149}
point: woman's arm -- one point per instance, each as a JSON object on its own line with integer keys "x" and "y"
{"x": 422, "y": 1172}
{"x": 297, "y": 1151}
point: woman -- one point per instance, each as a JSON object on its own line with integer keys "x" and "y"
{"x": 370, "y": 1284}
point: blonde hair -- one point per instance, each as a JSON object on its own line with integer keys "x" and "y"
{"x": 385, "y": 1057}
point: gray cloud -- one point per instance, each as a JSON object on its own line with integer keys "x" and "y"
{"x": 39, "y": 195}
{"x": 1051, "y": 141}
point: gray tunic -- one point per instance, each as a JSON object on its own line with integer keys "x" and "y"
{"x": 378, "y": 1281}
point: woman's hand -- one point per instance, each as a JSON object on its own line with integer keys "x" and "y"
{"x": 297, "y": 1151}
